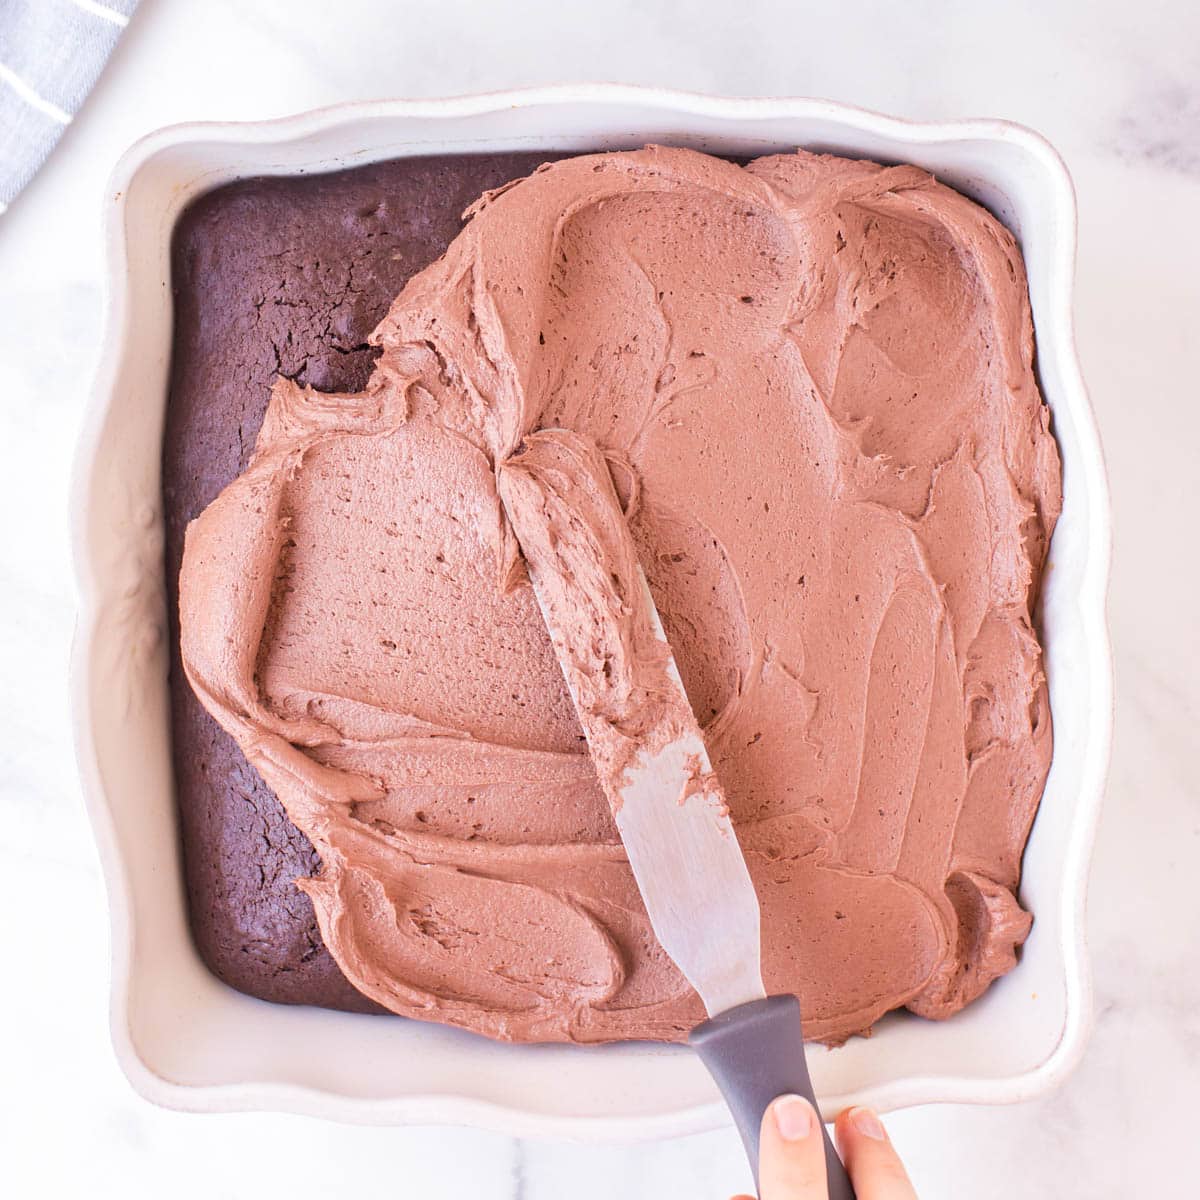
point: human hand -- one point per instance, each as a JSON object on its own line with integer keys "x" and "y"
{"x": 792, "y": 1157}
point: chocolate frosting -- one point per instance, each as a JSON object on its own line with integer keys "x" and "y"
{"x": 811, "y": 383}
{"x": 561, "y": 503}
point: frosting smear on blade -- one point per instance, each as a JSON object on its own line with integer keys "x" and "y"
{"x": 810, "y": 380}
{"x": 559, "y": 497}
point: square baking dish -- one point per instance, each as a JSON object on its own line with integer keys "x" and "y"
{"x": 189, "y": 1041}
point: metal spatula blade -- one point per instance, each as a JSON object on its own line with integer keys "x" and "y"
{"x": 689, "y": 867}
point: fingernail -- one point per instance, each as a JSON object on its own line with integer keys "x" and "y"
{"x": 793, "y": 1118}
{"x": 868, "y": 1124}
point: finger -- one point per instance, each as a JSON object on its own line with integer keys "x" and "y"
{"x": 791, "y": 1157}
{"x": 875, "y": 1168}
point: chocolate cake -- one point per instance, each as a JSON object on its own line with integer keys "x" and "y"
{"x": 797, "y": 393}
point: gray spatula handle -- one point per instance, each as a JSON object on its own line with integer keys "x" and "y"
{"x": 755, "y": 1052}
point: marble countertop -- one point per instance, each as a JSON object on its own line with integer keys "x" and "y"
{"x": 1115, "y": 86}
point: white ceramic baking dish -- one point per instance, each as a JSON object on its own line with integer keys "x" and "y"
{"x": 189, "y": 1041}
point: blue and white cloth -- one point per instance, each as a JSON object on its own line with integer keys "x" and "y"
{"x": 51, "y": 53}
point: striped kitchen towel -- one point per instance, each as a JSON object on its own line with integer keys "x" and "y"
{"x": 51, "y": 53}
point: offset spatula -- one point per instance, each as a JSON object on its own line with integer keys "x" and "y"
{"x": 667, "y": 802}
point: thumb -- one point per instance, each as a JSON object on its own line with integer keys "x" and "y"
{"x": 791, "y": 1155}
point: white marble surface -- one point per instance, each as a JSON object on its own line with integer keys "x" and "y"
{"x": 1116, "y": 86}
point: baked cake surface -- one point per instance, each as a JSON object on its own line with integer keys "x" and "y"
{"x": 277, "y": 276}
